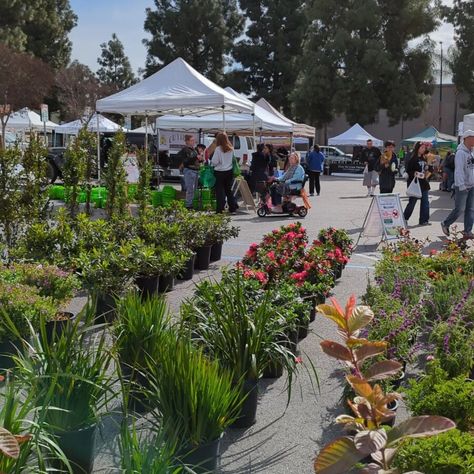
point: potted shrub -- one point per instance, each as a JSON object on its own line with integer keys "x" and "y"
{"x": 195, "y": 401}
{"x": 71, "y": 384}
{"x": 147, "y": 267}
{"x": 171, "y": 263}
{"x": 20, "y": 307}
{"x": 244, "y": 335}
{"x": 218, "y": 232}
{"x": 138, "y": 332}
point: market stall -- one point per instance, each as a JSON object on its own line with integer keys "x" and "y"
{"x": 354, "y": 136}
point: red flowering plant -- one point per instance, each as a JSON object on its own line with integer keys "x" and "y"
{"x": 339, "y": 239}
{"x": 278, "y": 254}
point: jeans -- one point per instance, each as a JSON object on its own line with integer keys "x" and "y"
{"x": 191, "y": 178}
{"x": 424, "y": 207}
{"x": 463, "y": 201}
{"x": 224, "y": 180}
{"x": 314, "y": 181}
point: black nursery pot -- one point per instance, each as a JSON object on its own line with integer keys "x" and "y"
{"x": 147, "y": 285}
{"x": 166, "y": 283}
{"x": 105, "y": 309}
{"x": 188, "y": 271}
{"x": 203, "y": 257}
{"x": 248, "y": 411}
{"x": 55, "y": 327}
{"x": 201, "y": 459}
{"x": 216, "y": 251}
{"x": 138, "y": 384}
{"x": 7, "y": 350}
{"x": 273, "y": 371}
{"x": 338, "y": 271}
{"x": 78, "y": 447}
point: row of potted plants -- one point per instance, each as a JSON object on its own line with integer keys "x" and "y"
{"x": 423, "y": 312}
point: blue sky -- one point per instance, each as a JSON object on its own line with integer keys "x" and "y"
{"x": 98, "y": 19}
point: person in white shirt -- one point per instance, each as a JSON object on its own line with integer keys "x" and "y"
{"x": 222, "y": 163}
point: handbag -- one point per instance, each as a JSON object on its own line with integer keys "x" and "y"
{"x": 414, "y": 190}
{"x": 235, "y": 167}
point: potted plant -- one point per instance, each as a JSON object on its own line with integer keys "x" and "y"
{"x": 195, "y": 401}
{"x": 244, "y": 335}
{"x": 71, "y": 383}
{"x": 218, "y": 232}
{"x": 147, "y": 267}
{"x": 138, "y": 332}
{"x": 171, "y": 264}
{"x": 371, "y": 405}
{"x": 20, "y": 307}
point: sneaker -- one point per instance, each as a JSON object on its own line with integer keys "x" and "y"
{"x": 317, "y": 194}
{"x": 311, "y": 194}
{"x": 425, "y": 223}
{"x": 467, "y": 235}
{"x": 445, "y": 229}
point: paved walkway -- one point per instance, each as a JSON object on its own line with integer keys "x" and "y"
{"x": 285, "y": 439}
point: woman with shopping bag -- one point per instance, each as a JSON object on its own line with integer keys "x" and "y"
{"x": 418, "y": 172}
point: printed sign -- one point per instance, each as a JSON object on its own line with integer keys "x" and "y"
{"x": 44, "y": 112}
{"x": 384, "y": 217}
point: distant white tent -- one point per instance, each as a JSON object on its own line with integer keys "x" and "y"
{"x": 355, "y": 135}
{"x": 299, "y": 129}
{"x": 105, "y": 125}
{"x": 26, "y": 119}
{"x": 176, "y": 89}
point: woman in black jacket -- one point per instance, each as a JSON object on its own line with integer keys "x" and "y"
{"x": 386, "y": 167}
{"x": 418, "y": 167}
{"x": 258, "y": 167}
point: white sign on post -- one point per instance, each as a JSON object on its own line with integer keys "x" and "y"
{"x": 384, "y": 217}
{"x": 44, "y": 112}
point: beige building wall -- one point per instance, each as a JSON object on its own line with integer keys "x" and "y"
{"x": 451, "y": 114}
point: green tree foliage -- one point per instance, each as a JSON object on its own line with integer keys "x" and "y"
{"x": 115, "y": 70}
{"x": 269, "y": 51}
{"x": 358, "y": 57}
{"x": 202, "y": 32}
{"x": 461, "y": 15}
{"x": 39, "y": 27}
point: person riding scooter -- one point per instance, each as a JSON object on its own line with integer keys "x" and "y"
{"x": 293, "y": 178}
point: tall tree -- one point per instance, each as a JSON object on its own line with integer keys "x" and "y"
{"x": 40, "y": 27}
{"x": 461, "y": 15}
{"x": 24, "y": 82}
{"x": 200, "y": 31}
{"x": 77, "y": 89}
{"x": 269, "y": 50}
{"x": 358, "y": 59}
{"x": 115, "y": 70}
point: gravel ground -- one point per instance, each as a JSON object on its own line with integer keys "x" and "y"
{"x": 285, "y": 438}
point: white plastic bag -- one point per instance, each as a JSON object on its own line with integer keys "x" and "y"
{"x": 414, "y": 190}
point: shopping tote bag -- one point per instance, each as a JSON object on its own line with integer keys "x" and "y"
{"x": 414, "y": 190}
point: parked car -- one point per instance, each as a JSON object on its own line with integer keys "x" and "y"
{"x": 335, "y": 155}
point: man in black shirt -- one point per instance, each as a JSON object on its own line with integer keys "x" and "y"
{"x": 370, "y": 156}
{"x": 190, "y": 163}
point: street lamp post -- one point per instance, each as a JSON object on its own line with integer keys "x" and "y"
{"x": 440, "y": 88}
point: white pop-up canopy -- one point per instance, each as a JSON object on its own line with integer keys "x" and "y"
{"x": 261, "y": 121}
{"x": 356, "y": 135}
{"x": 105, "y": 125}
{"x": 299, "y": 129}
{"x": 26, "y": 119}
{"x": 176, "y": 89}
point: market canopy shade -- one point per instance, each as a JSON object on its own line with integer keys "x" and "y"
{"x": 26, "y": 119}
{"x": 299, "y": 129}
{"x": 105, "y": 125}
{"x": 242, "y": 123}
{"x": 176, "y": 89}
{"x": 355, "y": 135}
{"x": 430, "y": 134}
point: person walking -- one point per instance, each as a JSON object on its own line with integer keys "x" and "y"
{"x": 222, "y": 163}
{"x": 315, "y": 164}
{"x": 370, "y": 155}
{"x": 190, "y": 163}
{"x": 417, "y": 167}
{"x": 448, "y": 171}
{"x": 463, "y": 186}
{"x": 387, "y": 167}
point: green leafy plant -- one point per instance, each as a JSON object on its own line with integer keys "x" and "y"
{"x": 70, "y": 379}
{"x": 143, "y": 189}
{"x": 371, "y": 405}
{"x": 21, "y": 306}
{"x": 448, "y": 453}
{"x": 436, "y": 394}
{"x": 195, "y": 398}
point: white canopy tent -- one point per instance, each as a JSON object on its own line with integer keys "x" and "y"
{"x": 176, "y": 89}
{"x": 298, "y": 129}
{"x": 355, "y": 135}
{"x": 97, "y": 123}
{"x": 26, "y": 119}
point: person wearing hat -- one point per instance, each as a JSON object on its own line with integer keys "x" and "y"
{"x": 463, "y": 185}
{"x": 387, "y": 167}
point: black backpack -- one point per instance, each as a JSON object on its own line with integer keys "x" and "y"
{"x": 449, "y": 161}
